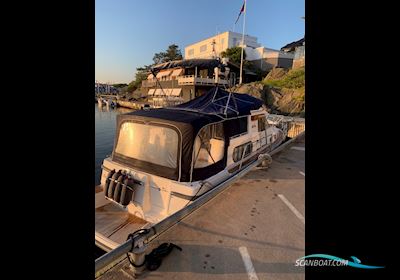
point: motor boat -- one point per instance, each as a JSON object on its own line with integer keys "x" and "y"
{"x": 165, "y": 158}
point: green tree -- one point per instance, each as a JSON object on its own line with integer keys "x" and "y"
{"x": 172, "y": 53}
{"x": 120, "y": 85}
{"x": 141, "y": 74}
{"x": 234, "y": 54}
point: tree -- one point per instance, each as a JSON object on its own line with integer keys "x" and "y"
{"x": 172, "y": 53}
{"x": 234, "y": 54}
{"x": 141, "y": 75}
{"x": 119, "y": 85}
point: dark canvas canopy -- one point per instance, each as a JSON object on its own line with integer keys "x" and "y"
{"x": 221, "y": 102}
{"x": 187, "y": 120}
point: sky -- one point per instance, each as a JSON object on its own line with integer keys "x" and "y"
{"x": 129, "y": 32}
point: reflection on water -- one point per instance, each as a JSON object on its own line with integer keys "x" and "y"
{"x": 105, "y": 122}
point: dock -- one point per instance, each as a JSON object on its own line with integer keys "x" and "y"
{"x": 132, "y": 104}
{"x": 254, "y": 229}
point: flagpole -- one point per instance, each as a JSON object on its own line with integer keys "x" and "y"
{"x": 241, "y": 56}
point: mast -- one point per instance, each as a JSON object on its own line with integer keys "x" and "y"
{"x": 241, "y": 56}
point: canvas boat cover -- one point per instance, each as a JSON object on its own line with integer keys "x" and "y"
{"x": 222, "y": 103}
{"x": 187, "y": 120}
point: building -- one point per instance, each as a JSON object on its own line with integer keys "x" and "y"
{"x": 100, "y": 88}
{"x": 212, "y": 47}
{"x": 261, "y": 57}
{"x": 265, "y": 58}
{"x": 188, "y": 78}
{"x": 297, "y": 48}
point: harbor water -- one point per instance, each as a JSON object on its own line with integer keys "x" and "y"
{"x": 105, "y": 121}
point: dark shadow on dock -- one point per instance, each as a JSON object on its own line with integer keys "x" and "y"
{"x": 218, "y": 260}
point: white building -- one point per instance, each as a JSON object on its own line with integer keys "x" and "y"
{"x": 262, "y": 57}
{"x": 213, "y": 46}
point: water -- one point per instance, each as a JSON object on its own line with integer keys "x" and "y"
{"x": 105, "y": 122}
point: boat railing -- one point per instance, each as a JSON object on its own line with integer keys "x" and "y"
{"x": 291, "y": 126}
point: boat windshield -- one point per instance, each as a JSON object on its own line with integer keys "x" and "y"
{"x": 149, "y": 143}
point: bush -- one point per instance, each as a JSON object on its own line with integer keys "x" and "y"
{"x": 294, "y": 79}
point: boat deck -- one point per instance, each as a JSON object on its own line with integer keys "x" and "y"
{"x": 253, "y": 230}
{"x": 115, "y": 222}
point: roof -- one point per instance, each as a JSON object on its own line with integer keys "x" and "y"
{"x": 211, "y": 107}
{"x": 192, "y": 118}
{"x": 292, "y": 46}
{"x": 187, "y": 63}
{"x": 219, "y": 102}
{"x": 197, "y": 62}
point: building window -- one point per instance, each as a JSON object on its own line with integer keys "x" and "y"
{"x": 203, "y": 48}
{"x": 234, "y": 41}
{"x": 203, "y": 73}
{"x": 190, "y": 52}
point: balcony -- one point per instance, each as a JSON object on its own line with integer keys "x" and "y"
{"x": 182, "y": 81}
{"x": 192, "y": 80}
{"x": 149, "y": 83}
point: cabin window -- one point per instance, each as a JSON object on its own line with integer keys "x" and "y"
{"x": 148, "y": 143}
{"x": 261, "y": 124}
{"x": 209, "y": 146}
{"x": 235, "y": 127}
{"x": 239, "y": 150}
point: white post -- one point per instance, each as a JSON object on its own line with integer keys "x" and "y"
{"x": 241, "y": 57}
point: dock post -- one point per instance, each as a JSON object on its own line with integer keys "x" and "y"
{"x": 138, "y": 258}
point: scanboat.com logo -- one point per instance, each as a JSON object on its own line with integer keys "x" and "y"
{"x": 328, "y": 260}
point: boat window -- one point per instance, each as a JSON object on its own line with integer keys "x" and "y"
{"x": 237, "y": 126}
{"x": 149, "y": 143}
{"x": 238, "y": 151}
{"x": 209, "y": 146}
{"x": 261, "y": 124}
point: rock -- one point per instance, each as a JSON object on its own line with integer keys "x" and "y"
{"x": 276, "y": 73}
{"x": 278, "y": 101}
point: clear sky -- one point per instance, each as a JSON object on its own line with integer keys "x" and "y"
{"x": 130, "y": 32}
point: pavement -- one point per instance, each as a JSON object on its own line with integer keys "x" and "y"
{"x": 253, "y": 230}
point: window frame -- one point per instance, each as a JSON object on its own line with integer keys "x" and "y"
{"x": 203, "y": 48}
{"x": 138, "y": 164}
{"x": 238, "y": 150}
